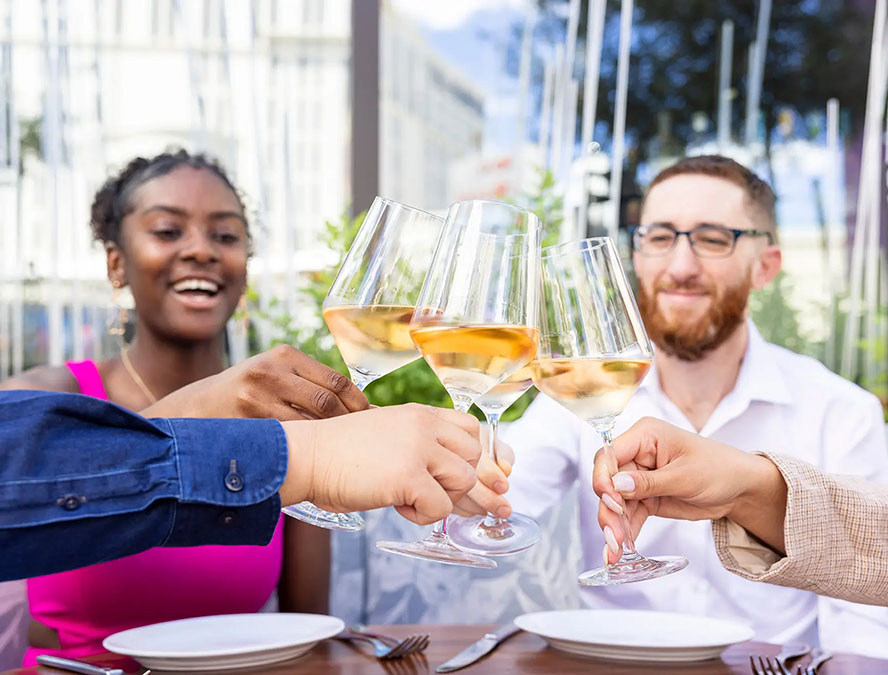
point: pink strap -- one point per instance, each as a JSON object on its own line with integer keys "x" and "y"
{"x": 88, "y": 378}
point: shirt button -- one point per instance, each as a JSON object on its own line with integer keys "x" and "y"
{"x": 70, "y": 502}
{"x": 234, "y": 481}
{"x": 226, "y": 518}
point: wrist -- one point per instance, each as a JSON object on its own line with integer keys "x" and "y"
{"x": 760, "y": 507}
{"x": 298, "y": 484}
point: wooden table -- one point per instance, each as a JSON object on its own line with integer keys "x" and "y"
{"x": 523, "y": 653}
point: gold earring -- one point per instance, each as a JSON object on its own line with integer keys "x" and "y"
{"x": 117, "y": 324}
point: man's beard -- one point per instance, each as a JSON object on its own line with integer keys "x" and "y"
{"x": 687, "y": 339}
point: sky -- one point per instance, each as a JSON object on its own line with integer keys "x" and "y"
{"x": 450, "y": 14}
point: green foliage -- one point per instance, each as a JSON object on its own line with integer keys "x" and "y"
{"x": 777, "y": 319}
{"x": 547, "y": 204}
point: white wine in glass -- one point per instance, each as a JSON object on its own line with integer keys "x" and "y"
{"x": 503, "y": 395}
{"x": 369, "y": 307}
{"x": 374, "y": 340}
{"x": 594, "y": 352}
{"x": 476, "y": 322}
{"x": 592, "y": 388}
{"x": 470, "y": 360}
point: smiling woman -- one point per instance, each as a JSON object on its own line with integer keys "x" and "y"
{"x": 175, "y": 232}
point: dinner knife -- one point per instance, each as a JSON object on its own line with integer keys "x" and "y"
{"x": 76, "y": 666}
{"x": 478, "y": 649}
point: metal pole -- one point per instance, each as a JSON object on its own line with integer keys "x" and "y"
{"x": 724, "y": 85}
{"x": 755, "y": 88}
{"x": 364, "y": 103}
{"x": 875, "y": 104}
{"x": 620, "y": 116}
{"x": 558, "y": 110}
{"x": 573, "y": 24}
{"x": 750, "y": 130}
{"x": 594, "y": 36}
{"x": 51, "y": 152}
{"x": 570, "y": 126}
{"x": 523, "y": 91}
{"x": 831, "y": 278}
{"x": 546, "y": 113}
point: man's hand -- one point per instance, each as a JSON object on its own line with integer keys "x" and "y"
{"x": 665, "y": 471}
{"x": 282, "y": 383}
{"x": 419, "y": 459}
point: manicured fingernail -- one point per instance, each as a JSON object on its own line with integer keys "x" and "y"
{"x": 611, "y": 539}
{"x": 504, "y": 511}
{"x": 501, "y": 487}
{"x": 623, "y": 482}
{"x": 604, "y": 556}
{"x": 611, "y": 503}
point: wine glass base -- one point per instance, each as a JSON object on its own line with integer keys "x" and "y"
{"x": 486, "y": 535}
{"x": 634, "y": 569}
{"x": 435, "y": 551}
{"x": 309, "y": 513}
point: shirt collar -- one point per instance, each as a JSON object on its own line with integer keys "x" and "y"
{"x": 760, "y": 377}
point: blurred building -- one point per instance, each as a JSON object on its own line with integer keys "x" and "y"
{"x": 431, "y": 116}
{"x": 262, "y": 84}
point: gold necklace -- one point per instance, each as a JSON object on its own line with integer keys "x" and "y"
{"x": 124, "y": 356}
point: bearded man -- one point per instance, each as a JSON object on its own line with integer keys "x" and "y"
{"x": 708, "y": 237}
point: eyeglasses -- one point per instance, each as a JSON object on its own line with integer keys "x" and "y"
{"x": 707, "y": 241}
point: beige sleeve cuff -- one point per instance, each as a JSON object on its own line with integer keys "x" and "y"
{"x": 835, "y": 533}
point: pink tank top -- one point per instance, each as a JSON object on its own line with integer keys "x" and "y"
{"x": 161, "y": 584}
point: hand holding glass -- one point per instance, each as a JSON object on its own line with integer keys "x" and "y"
{"x": 594, "y": 352}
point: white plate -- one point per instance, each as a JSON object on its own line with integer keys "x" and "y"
{"x": 635, "y": 635}
{"x": 223, "y": 642}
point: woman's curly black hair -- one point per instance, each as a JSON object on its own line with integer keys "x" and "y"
{"x": 112, "y": 202}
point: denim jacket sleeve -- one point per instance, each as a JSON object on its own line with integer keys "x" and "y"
{"x": 83, "y": 481}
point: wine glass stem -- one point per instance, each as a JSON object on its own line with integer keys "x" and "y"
{"x": 493, "y": 419}
{"x": 628, "y": 540}
{"x": 439, "y": 529}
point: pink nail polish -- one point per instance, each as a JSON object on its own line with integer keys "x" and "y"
{"x": 611, "y": 539}
{"x": 623, "y": 482}
{"x": 612, "y": 504}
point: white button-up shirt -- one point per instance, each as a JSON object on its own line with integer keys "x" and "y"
{"x": 782, "y": 402}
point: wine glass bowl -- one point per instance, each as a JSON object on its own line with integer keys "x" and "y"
{"x": 369, "y": 307}
{"x": 594, "y": 353}
{"x": 476, "y": 321}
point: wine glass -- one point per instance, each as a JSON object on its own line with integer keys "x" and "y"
{"x": 476, "y": 322}
{"x": 593, "y": 354}
{"x": 490, "y": 535}
{"x": 369, "y": 306}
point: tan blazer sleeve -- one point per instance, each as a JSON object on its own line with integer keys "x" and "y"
{"x": 836, "y": 534}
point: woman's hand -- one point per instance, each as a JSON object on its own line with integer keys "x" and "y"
{"x": 665, "y": 471}
{"x": 282, "y": 383}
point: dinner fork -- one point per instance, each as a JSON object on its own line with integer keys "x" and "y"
{"x": 818, "y": 657}
{"x": 766, "y": 666}
{"x": 409, "y": 645}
